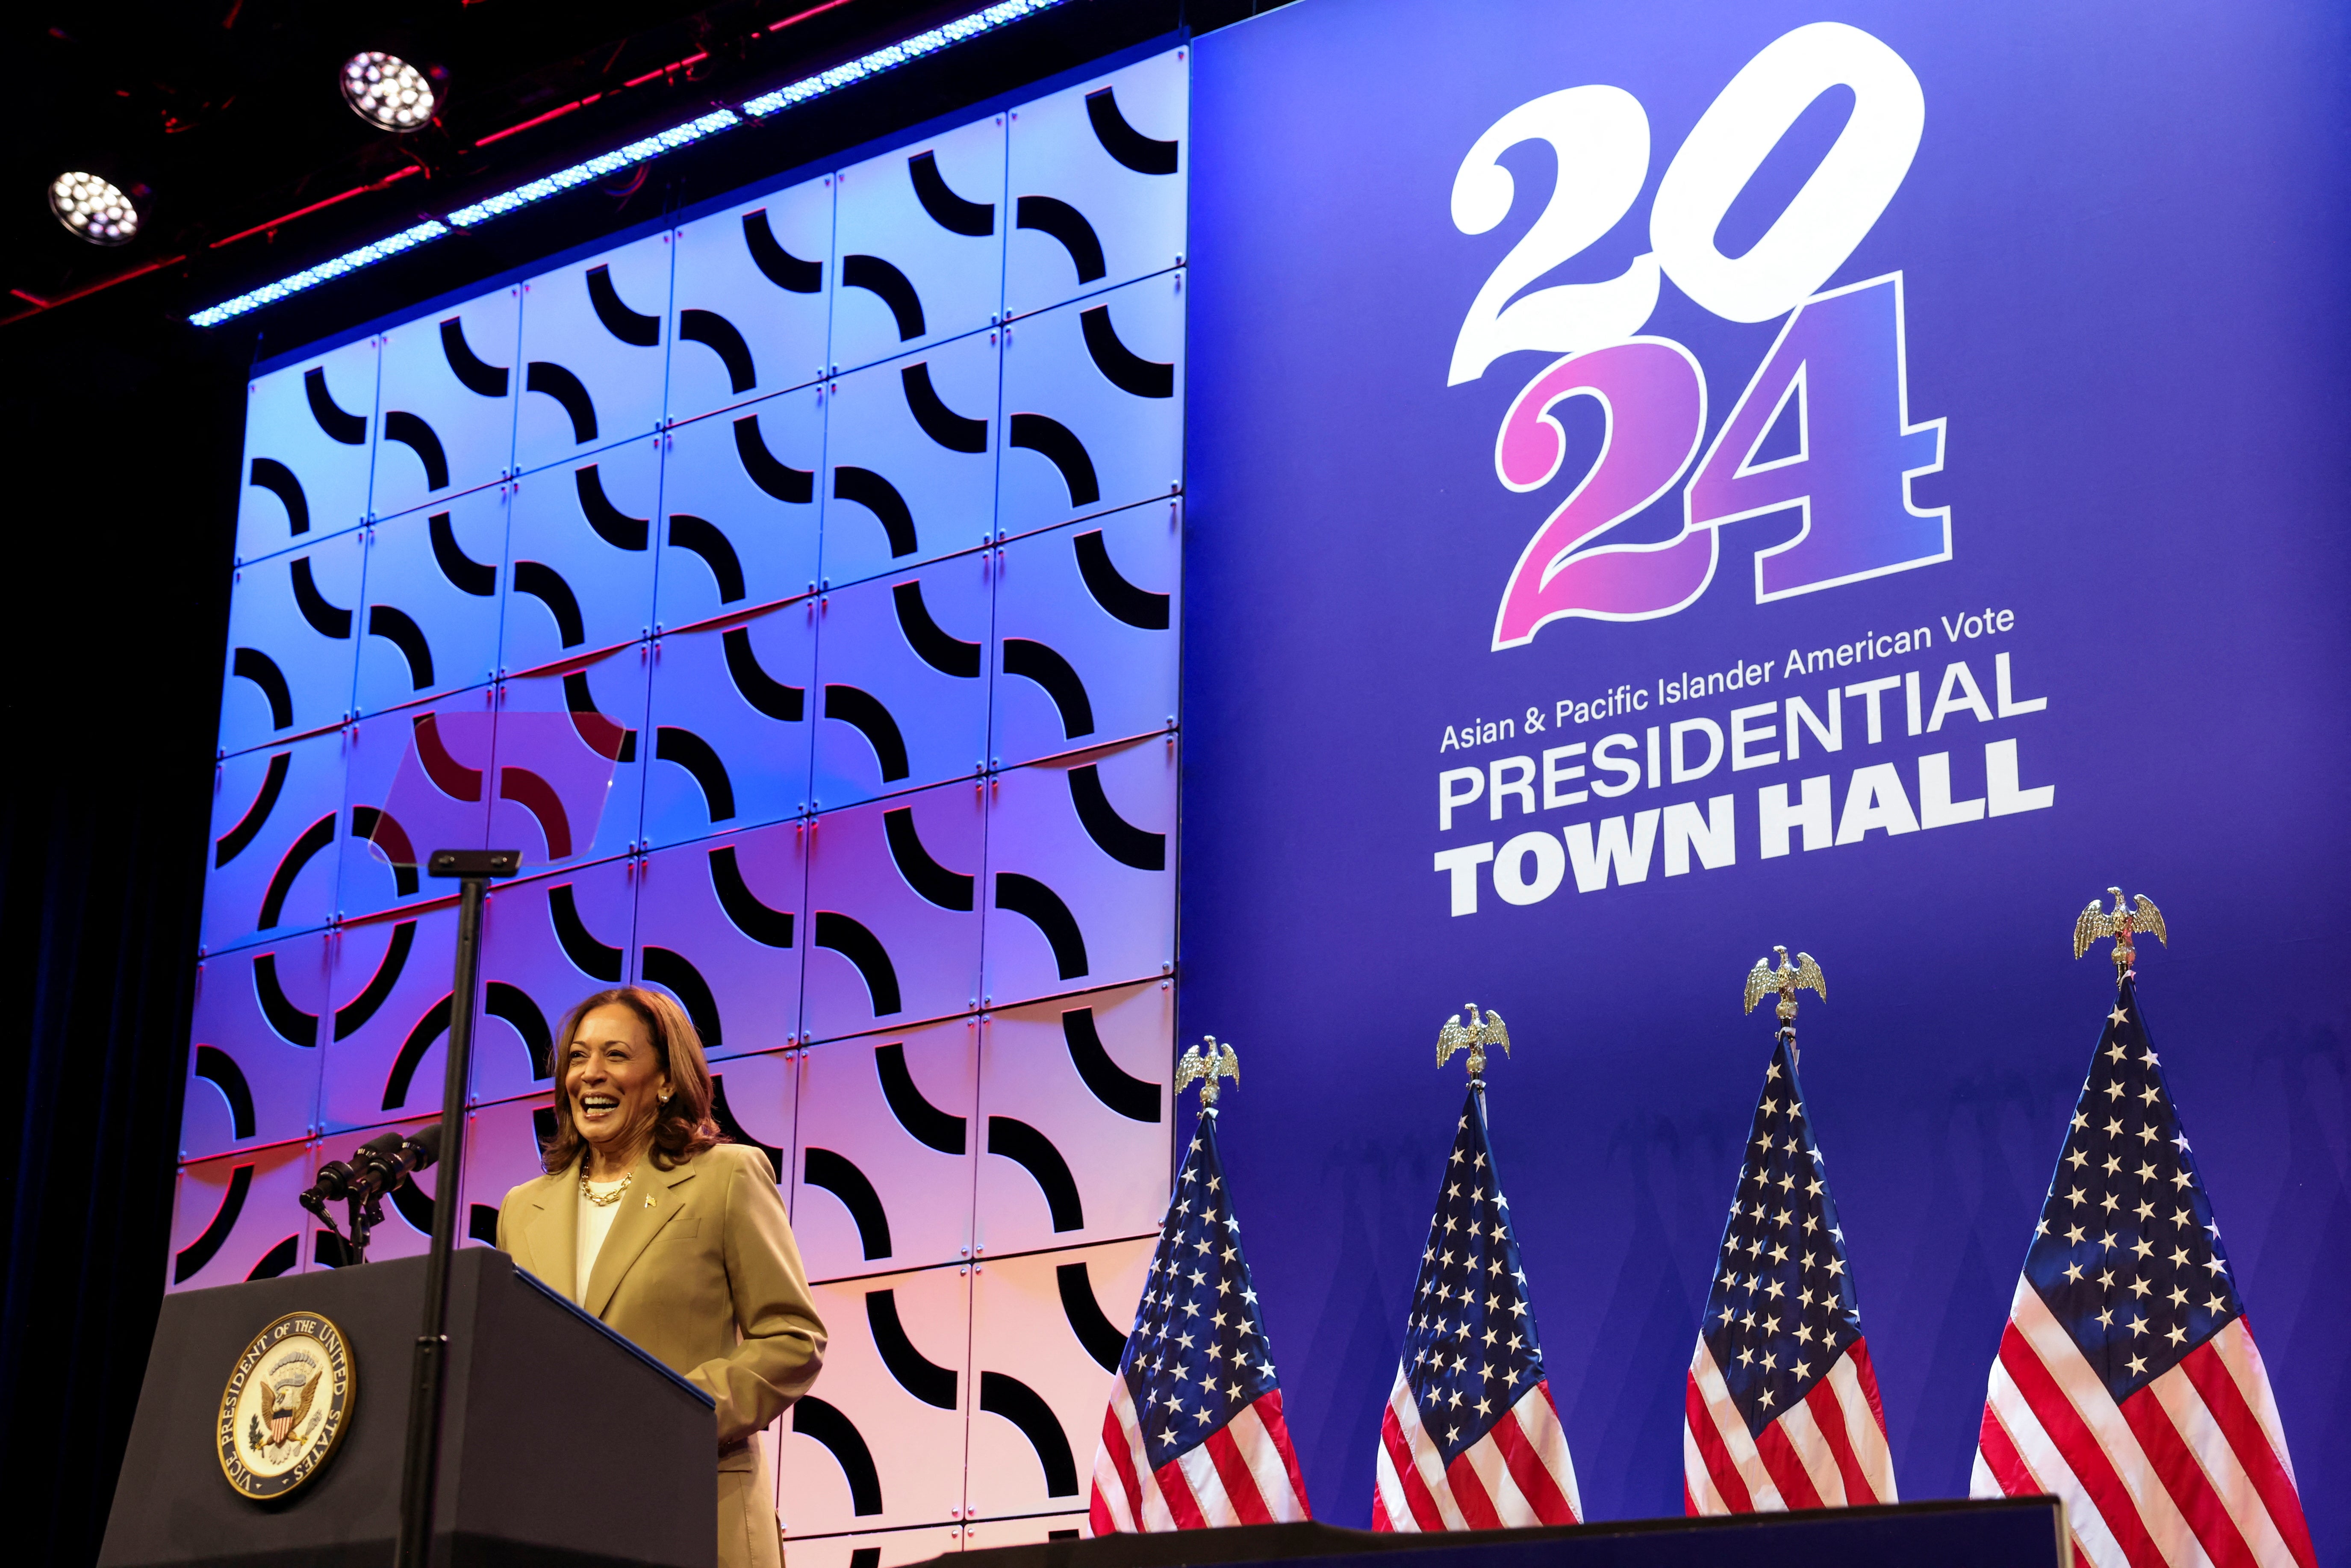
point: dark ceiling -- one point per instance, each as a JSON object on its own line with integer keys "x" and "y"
{"x": 224, "y": 121}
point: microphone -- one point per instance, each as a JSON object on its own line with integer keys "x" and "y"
{"x": 375, "y": 1167}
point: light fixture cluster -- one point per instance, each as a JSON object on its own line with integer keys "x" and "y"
{"x": 387, "y": 91}
{"x": 93, "y": 209}
{"x": 638, "y": 152}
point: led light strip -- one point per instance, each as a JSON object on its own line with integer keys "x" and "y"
{"x": 635, "y": 153}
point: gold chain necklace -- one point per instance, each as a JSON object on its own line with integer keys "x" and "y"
{"x": 608, "y": 1199}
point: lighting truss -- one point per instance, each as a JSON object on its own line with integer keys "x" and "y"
{"x": 635, "y": 153}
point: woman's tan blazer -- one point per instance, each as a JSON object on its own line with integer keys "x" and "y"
{"x": 701, "y": 1271}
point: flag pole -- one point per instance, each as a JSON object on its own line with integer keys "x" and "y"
{"x": 1764, "y": 981}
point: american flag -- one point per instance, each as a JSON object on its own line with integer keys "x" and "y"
{"x": 1781, "y": 1408}
{"x": 1471, "y": 1439}
{"x": 2127, "y": 1382}
{"x": 1194, "y": 1435}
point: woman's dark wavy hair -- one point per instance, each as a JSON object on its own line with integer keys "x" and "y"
{"x": 682, "y": 1128}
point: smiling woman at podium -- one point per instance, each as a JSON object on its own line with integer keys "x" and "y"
{"x": 653, "y": 1222}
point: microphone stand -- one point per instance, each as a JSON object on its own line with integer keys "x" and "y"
{"x": 421, "y": 1464}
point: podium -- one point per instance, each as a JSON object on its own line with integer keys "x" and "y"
{"x": 564, "y": 1444}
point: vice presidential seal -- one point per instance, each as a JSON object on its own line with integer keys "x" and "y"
{"x": 287, "y": 1403}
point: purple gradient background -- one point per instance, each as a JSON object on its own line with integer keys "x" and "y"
{"x": 2124, "y": 244}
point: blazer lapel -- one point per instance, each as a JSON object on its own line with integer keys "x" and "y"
{"x": 633, "y": 1229}
{"x": 550, "y": 1237}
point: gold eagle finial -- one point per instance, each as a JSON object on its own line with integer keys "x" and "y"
{"x": 1207, "y": 1066}
{"x": 2118, "y": 923}
{"x": 1787, "y": 980}
{"x": 1473, "y": 1037}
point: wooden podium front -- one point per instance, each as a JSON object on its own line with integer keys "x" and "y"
{"x": 564, "y": 1444}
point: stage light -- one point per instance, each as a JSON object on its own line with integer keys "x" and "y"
{"x": 387, "y": 91}
{"x": 635, "y": 153}
{"x": 92, "y": 209}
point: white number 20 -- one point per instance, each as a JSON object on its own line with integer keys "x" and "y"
{"x": 1601, "y": 138}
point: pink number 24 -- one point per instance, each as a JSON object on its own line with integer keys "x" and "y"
{"x": 1839, "y": 361}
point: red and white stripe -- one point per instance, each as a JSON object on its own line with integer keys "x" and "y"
{"x": 1517, "y": 1474}
{"x": 1244, "y": 1472}
{"x": 2191, "y": 1470}
{"x": 1827, "y": 1451}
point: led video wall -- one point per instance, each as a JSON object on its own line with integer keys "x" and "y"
{"x": 797, "y": 587}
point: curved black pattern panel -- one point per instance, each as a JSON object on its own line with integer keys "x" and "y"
{"x": 613, "y": 525}
{"x": 975, "y": 220}
{"x": 878, "y": 278}
{"x": 1056, "y": 219}
{"x": 699, "y": 757}
{"x": 955, "y": 432}
{"x": 723, "y": 1115}
{"x": 717, "y": 334}
{"x": 546, "y": 584}
{"x": 1094, "y": 1330}
{"x": 1060, "y": 446}
{"x": 863, "y": 712}
{"x": 277, "y": 1260}
{"x": 350, "y": 429}
{"x": 400, "y": 629}
{"x": 220, "y": 1068}
{"x": 761, "y": 690}
{"x": 813, "y": 1418}
{"x": 547, "y": 376}
{"x": 1123, "y": 141}
{"x": 776, "y": 265}
{"x": 837, "y": 1176}
{"x": 1036, "y": 662}
{"x": 253, "y": 664}
{"x": 481, "y": 379}
{"x": 853, "y": 941}
{"x": 414, "y": 1204}
{"x": 629, "y": 326}
{"x": 465, "y": 574}
{"x": 676, "y": 974}
{"x": 1121, "y": 599}
{"x": 1121, "y": 366}
{"x": 590, "y": 957}
{"x": 701, "y": 535}
{"x": 1033, "y": 1152}
{"x": 482, "y": 1223}
{"x": 1024, "y": 1408}
{"x": 1025, "y": 895}
{"x": 429, "y": 1027}
{"x": 315, "y": 837}
{"x": 777, "y": 478}
{"x": 356, "y": 1012}
{"x": 881, "y": 497}
{"x": 948, "y": 655}
{"x": 325, "y": 619}
{"x": 270, "y": 474}
{"x": 297, "y": 1027}
{"x": 1112, "y": 833}
{"x": 205, "y": 1247}
{"x": 1136, "y": 1099}
{"x": 375, "y": 823}
{"x": 511, "y": 1003}
{"x": 929, "y": 1126}
{"x": 768, "y": 927}
{"x": 248, "y": 827}
{"x": 916, "y": 1372}
{"x": 411, "y": 430}
{"x": 605, "y": 736}
{"x": 330, "y": 1250}
{"x": 937, "y": 884}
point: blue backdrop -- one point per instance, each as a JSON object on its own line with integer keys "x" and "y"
{"x": 2121, "y": 254}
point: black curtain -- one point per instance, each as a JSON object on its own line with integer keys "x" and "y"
{"x": 120, "y": 433}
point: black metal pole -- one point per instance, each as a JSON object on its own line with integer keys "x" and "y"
{"x": 420, "y": 1465}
